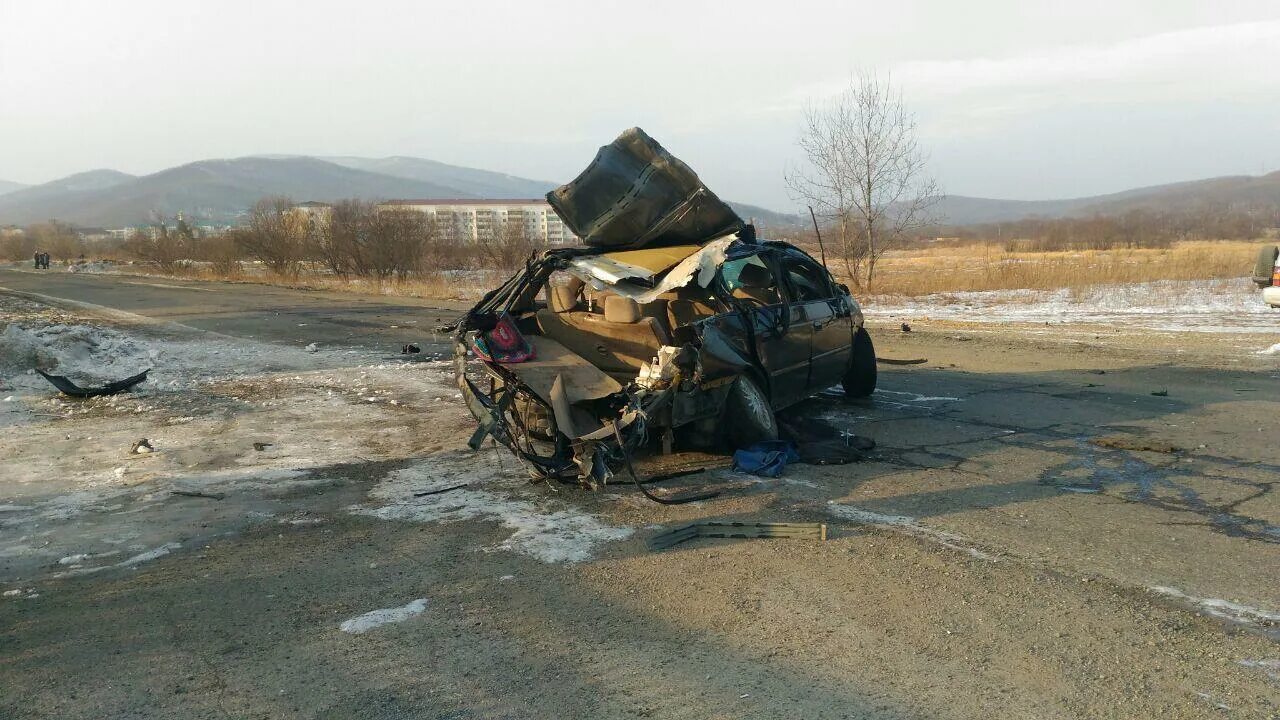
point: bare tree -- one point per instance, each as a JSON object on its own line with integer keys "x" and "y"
{"x": 507, "y": 245}
{"x": 276, "y": 235}
{"x": 341, "y": 241}
{"x": 865, "y": 173}
{"x": 57, "y": 238}
{"x": 396, "y": 242}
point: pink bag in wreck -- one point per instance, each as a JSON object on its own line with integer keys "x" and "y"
{"x": 503, "y": 343}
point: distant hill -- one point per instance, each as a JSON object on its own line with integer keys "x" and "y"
{"x": 8, "y": 187}
{"x": 768, "y": 221}
{"x": 221, "y": 190}
{"x": 478, "y": 183}
{"x": 1255, "y": 191}
{"x": 211, "y": 190}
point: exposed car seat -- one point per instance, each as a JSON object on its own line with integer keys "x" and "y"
{"x": 685, "y": 312}
{"x": 756, "y": 282}
{"x": 566, "y": 297}
{"x": 617, "y": 341}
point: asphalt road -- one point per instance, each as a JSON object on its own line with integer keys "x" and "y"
{"x": 262, "y": 312}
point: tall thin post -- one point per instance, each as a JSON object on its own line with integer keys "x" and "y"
{"x": 818, "y": 232}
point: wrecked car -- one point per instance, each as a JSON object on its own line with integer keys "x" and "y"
{"x": 675, "y": 324}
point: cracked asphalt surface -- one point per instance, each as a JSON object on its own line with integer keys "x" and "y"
{"x": 1007, "y": 550}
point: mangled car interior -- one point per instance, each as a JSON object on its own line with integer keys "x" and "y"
{"x": 674, "y": 325}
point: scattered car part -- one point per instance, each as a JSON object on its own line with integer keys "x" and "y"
{"x": 409, "y": 348}
{"x": 1266, "y": 273}
{"x": 425, "y": 493}
{"x": 714, "y": 529}
{"x": 261, "y": 446}
{"x": 67, "y": 387}
{"x": 893, "y": 361}
{"x": 860, "y": 379}
{"x": 1265, "y": 266}
{"x": 141, "y": 447}
{"x": 198, "y": 494}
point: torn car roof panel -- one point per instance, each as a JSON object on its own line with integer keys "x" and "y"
{"x": 636, "y": 194}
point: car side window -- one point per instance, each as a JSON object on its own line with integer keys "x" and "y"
{"x": 750, "y": 278}
{"x": 807, "y": 280}
{"x": 731, "y": 270}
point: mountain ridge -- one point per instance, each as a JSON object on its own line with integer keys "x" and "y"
{"x": 221, "y": 190}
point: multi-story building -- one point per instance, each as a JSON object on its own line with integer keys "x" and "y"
{"x": 476, "y": 219}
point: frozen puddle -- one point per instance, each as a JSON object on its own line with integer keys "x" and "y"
{"x": 909, "y": 526}
{"x": 549, "y": 535}
{"x": 377, "y": 618}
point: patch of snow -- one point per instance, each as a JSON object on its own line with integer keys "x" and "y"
{"x": 549, "y": 535}
{"x": 1219, "y": 306}
{"x": 1273, "y": 350}
{"x": 377, "y": 618}
{"x": 909, "y": 526}
{"x": 97, "y": 267}
{"x": 915, "y": 397}
{"x": 1218, "y": 608}
{"x": 1269, "y": 666}
{"x": 148, "y": 556}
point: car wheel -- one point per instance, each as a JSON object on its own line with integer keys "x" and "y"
{"x": 748, "y": 416}
{"x": 860, "y": 378}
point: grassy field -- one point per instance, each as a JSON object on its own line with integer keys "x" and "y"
{"x": 987, "y": 266}
{"x": 902, "y": 273}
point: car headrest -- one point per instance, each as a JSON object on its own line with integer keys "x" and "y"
{"x": 621, "y": 309}
{"x": 563, "y": 298}
{"x": 755, "y": 276}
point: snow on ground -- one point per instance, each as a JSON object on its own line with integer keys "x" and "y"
{"x": 909, "y": 526}
{"x": 377, "y": 618}
{"x": 544, "y": 530}
{"x": 1216, "y": 306}
{"x": 1224, "y": 609}
{"x": 257, "y": 425}
{"x": 100, "y": 267}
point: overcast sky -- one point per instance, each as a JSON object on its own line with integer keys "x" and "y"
{"x": 1016, "y": 99}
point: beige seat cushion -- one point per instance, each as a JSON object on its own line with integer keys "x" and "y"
{"x": 617, "y": 348}
{"x": 618, "y": 309}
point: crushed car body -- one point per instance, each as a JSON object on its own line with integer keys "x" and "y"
{"x": 674, "y": 323}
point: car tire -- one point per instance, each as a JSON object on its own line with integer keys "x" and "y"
{"x": 748, "y": 416}
{"x": 860, "y": 378}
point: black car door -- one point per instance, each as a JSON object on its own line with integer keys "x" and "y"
{"x": 815, "y": 301}
{"x": 781, "y": 342}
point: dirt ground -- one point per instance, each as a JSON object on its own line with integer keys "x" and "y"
{"x": 1056, "y": 523}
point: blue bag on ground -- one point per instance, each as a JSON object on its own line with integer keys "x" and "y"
{"x": 767, "y": 459}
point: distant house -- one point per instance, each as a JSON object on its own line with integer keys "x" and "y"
{"x": 314, "y": 209}
{"x": 475, "y": 219}
{"x": 93, "y": 234}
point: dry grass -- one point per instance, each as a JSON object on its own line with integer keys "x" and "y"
{"x": 979, "y": 266}
{"x": 463, "y": 285}
{"x": 986, "y": 266}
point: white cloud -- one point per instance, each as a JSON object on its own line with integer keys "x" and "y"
{"x": 1228, "y": 54}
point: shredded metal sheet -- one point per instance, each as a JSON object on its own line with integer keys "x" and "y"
{"x": 600, "y": 271}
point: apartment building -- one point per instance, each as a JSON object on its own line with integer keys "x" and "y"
{"x": 474, "y": 219}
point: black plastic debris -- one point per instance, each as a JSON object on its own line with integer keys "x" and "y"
{"x": 409, "y": 348}
{"x": 67, "y": 387}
